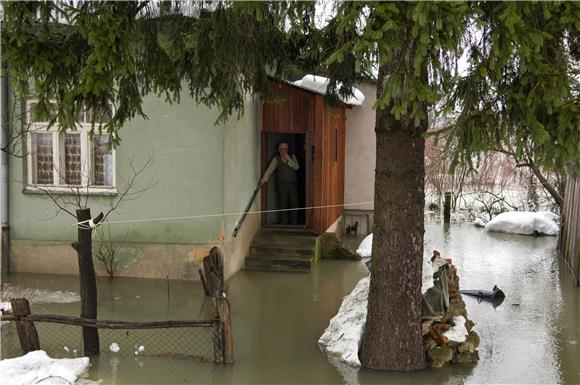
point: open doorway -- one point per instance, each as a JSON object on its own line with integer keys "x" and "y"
{"x": 297, "y": 146}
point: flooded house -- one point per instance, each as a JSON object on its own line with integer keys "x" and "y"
{"x": 194, "y": 180}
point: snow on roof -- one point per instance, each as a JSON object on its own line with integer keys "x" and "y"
{"x": 318, "y": 84}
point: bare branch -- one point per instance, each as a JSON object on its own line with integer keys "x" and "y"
{"x": 55, "y": 200}
{"x": 130, "y": 190}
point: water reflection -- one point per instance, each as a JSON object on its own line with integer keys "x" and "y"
{"x": 278, "y": 317}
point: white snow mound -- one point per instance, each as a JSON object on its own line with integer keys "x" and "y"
{"x": 37, "y": 367}
{"x": 5, "y": 307}
{"x": 479, "y": 223}
{"x": 457, "y": 333}
{"x": 343, "y": 336}
{"x": 366, "y": 246}
{"x": 525, "y": 222}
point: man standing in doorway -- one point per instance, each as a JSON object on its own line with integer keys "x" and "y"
{"x": 286, "y": 165}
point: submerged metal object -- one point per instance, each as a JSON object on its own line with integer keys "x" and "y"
{"x": 495, "y": 295}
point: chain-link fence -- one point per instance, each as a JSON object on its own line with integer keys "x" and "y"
{"x": 203, "y": 343}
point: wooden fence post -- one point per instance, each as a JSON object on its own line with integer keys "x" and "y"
{"x": 447, "y": 208}
{"x": 213, "y": 272}
{"x": 88, "y": 281}
{"x": 27, "y": 333}
{"x": 225, "y": 327}
{"x": 203, "y": 284}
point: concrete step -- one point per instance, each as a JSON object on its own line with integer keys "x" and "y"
{"x": 272, "y": 252}
{"x": 282, "y": 250}
{"x": 279, "y": 264}
{"x": 285, "y": 242}
{"x": 282, "y": 237}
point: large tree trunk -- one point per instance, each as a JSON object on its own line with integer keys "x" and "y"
{"x": 392, "y": 338}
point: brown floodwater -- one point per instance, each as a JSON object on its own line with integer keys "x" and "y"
{"x": 532, "y": 337}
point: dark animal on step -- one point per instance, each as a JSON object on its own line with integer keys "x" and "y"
{"x": 352, "y": 229}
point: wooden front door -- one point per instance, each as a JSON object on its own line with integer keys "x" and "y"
{"x": 291, "y": 120}
{"x": 323, "y": 139}
{"x": 328, "y": 166}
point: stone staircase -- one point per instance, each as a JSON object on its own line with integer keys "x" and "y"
{"x": 276, "y": 249}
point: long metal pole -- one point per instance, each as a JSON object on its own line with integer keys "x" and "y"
{"x": 241, "y": 220}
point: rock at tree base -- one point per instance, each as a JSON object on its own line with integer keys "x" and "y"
{"x": 445, "y": 325}
{"x": 466, "y": 358}
{"x": 458, "y": 345}
{"x": 470, "y": 344}
{"x": 439, "y": 356}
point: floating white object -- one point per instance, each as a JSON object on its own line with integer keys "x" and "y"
{"x": 319, "y": 84}
{"x": 114, "y": 347}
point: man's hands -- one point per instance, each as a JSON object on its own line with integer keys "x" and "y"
{"x": 285, "y": 156}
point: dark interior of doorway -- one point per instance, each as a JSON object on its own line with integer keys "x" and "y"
{"x": 296, "y": 145}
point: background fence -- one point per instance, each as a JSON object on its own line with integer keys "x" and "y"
{"x": 569, "y": 242}
{"x": 62, "y": 336}
{"x": 60, "y": 341}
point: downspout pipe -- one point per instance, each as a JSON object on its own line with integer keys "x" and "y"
{"x": 4, "y": 214}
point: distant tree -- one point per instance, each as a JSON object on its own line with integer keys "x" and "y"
{"x": 521, "y": 84}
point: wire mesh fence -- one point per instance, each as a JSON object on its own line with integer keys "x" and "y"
{"x": 203, "y": 343}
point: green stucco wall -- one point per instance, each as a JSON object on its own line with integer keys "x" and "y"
{"x": 241, "y": 164}
{"x": 198, "y": 168}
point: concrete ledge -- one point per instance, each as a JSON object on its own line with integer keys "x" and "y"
{"x": 139, "y": 260}
{"x": 171, "y": 261}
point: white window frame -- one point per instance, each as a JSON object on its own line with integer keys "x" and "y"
{"x": 58, "y": 156}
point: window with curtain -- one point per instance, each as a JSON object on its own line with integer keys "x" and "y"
{"x": 73, "y": 158}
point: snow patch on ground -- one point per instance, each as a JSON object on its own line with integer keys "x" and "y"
{"x": 38, "y": 368}
{"x": 457, "y": 333}
{"x": 525, "y": 222}
{"x": 36, "y": 296}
